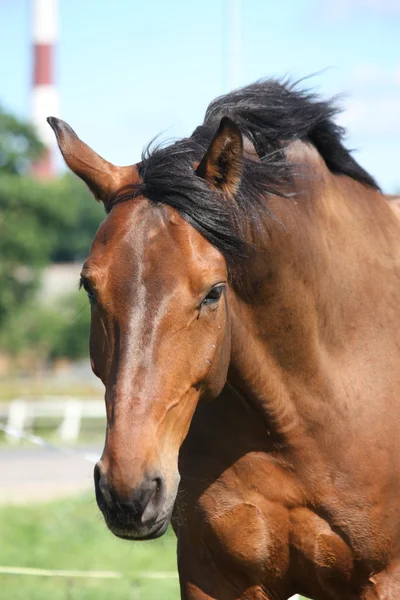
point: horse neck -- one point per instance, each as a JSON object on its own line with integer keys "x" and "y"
{"x": 324, "y": 284}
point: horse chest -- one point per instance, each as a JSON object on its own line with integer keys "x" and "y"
{"x": 249, "y": 521}
{"x": 271, "y": 546}
{"x": 245, "y": 512}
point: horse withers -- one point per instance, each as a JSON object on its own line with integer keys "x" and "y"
{"x": 245, "y": 299}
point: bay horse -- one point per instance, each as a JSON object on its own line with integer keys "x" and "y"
{"x": 245, "y": 302}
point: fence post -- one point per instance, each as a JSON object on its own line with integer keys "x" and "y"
{"x": 17, "y": 417}
{"x": 71, "y": 424}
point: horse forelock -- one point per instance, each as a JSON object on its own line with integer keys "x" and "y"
{"x": 271, "y": 116}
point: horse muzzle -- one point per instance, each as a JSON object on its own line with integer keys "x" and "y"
{"x": 142, "y": 514}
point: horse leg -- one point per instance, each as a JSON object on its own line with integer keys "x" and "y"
{"x": 384, "y": 585}
{"x": 200, "y": 578}
{"x": 191, "y": 591}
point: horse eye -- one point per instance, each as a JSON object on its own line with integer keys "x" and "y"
{"x": 214, "y": 295}
{"x": 86, "y": 285}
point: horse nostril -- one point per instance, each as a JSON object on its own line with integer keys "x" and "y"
{"x": 101, "y": 487}
{"x": 159, "y": 488}
{"x": 96, "y": 474}
{"x": 153, "y": 499}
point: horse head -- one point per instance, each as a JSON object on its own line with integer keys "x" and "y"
{"x": 160, "y": 328}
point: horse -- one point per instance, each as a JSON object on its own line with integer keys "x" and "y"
{"x": 245, "y": 322}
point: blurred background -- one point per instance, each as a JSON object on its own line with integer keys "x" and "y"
{"x": 121, "y": 72}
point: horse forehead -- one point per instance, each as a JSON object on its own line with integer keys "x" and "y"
{"x": 157, "y": 237}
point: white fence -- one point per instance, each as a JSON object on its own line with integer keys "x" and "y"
{"x": 77, "y": 573}
{"x": 20, "y": 415}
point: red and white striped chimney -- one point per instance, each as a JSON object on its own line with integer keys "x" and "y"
{"x": 44, "y": 93}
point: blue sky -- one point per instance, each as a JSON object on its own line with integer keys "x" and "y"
{"x": 129, "y": 69}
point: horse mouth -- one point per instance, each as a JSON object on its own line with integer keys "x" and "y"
{"x": 134, "y": 534}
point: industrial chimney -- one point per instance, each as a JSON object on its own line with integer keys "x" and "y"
{"x": 44, "y": 94}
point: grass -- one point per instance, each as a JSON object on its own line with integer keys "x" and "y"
{"x": 71, "y": 534}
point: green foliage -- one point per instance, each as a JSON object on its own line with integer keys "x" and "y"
{"x": 55, "y": 331}
{"x": 82, "y": 216}
{"x": 29, "y": 219}
{"x": 40, "y": 222}
{"x": 31, "y": 328}
{"x": 72, "y": 337}
{"x": 19, "y": 145}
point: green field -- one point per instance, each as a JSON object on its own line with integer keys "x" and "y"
{"x": 70, "y": 534}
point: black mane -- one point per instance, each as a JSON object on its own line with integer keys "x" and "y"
{"x": 271, "y": 114}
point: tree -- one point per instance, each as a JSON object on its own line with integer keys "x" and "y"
{"x": 19, "y": 145}
{"x": 39, "y": 222}
{"x": 48, "y": 332}
{"x": 82, "y": 216}
{"x": 29, "y": 220}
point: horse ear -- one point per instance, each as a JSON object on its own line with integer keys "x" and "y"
{"x": 222, "y": 164}
{"x": 102, "y": 177}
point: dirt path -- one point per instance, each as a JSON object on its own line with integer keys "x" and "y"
{"x": 39, "y": 474}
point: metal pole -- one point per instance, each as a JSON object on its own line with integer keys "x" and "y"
{"x": 234, "y": 43}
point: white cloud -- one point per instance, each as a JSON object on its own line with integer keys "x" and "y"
{"x": 367, "y": 74}
{"x": 372, "y": 116}
{"x": 373, "y": 108}
{"x": 345, "y": 9}
{"x": 390, "y": 7}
